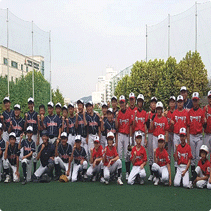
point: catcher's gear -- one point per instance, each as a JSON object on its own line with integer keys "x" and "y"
{"x": 204, "y": 148}
{"x": 45, "y": 178}
{"x": 63, "y": 178}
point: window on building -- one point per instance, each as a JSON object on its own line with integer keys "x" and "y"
{"x": 5, "y": 61}
{"x": 21, "y": 67}
{"x": 27, "y": 69}
{"x": 14, "y": 64}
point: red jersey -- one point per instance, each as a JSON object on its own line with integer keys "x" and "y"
{"x": 98, "y": 153}
{"x": 180, "y": 119}
{"x": 124, "y": 121}
{"x": 196, "y": 121}
{"x": 162, "y": 157}
{"x": 110, "y": 154}
{"x": 205, "y": 167}
{"x": 141, "y": 156}
{"x": 140, "y": 120}
{"x": 160, "y": 125}
{"x": 183, "y": 154}
{"x": 208, "y": 116}
{"x": 151, "y": 115}
{"x": 169, "y": 116}
{"x": 132, "y": 112}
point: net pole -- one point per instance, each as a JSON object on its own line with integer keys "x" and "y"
{"x": 146, "y": 42}
{"x": 196, "y": 26}
{"x": 168, "y": 35}
{"x": 8, "y": 80}
{"x": 32, "y": 60}
{"x": 50, "y": 65}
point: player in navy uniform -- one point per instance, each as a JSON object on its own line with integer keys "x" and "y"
{"x": 46, "y": 152}
{"x": 58, "y": 108}
{"x": 40, "y": 120}
{"x": 103, "y": 119}
{"x": 6, "y": 117}
{"x": 72, "y": 120}
{"x": 114, "y": 105}
{"x": 11, "y": 159}
{"x": 64, "y": 120}
{"x": 188, "y": 104}
{"x": 52, "y": 124}
{"x": 80, "y": 160}
{"x": 17, "y": 123}
{"x": 28, "y": 146}
{"x": 2, "y": 148}
{"x": 62, "y": 157}
{"x": 81, "y": 124}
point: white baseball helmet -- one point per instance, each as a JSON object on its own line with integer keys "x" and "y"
{"x": 204, "y": 148}
{"x": 159, "y": 105}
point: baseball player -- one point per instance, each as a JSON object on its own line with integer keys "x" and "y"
{"x": 46, "y": 153}
{"x": 183, "y": 158}
{"x": 140, "y": 119}
{"x": 64, "y": 120}
{"x": 81, "y": 124}
{"x": 40, "y": 120}
{"x": 80, "y": 160}
{"x": 187, "y": 102}
{"x": 202, "y": 171}
{"x": 17, "y": 123}
{"x": 72, "y": 120}
{"x": 111, "y": 161}
{"x": 58, "y": 109}
{"x": 207, "y": 131}
{"x": 161, "y": 167}
{"x": 62, "y": 158}
{"x": 150, "y": 118}
{"x": 11, "y": 159}
{"x": 95, "y": 159}
{"x": 114, "y": 105}
{"x": 196, "y": 122}
{"x": 52, "y": 124}
{"x": 138, "y": 159}
{"x": 28, "y": 146}
{"x": 123, "y": 122}
{"x": 2, "y": 148}
{"x": 103, "y": 119}
{"x": 6, "y": 118}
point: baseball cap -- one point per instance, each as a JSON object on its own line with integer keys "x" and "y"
{"x": 64, "y": 107}
{"x": 97, "y": 139}
{"x": 172, "y": 98}
{"x": 154, "y": 99}
{"x": 31, "y": 100}
{"x": 6, "y": 99}
{"x": 159, "y": 105}
{"x": 89, "y": 103}
{"x": 80, "y": 101}
{"x": 104, "y": 104}
{"x": 64, "y": 135}
{"x": 138, "y": 133}
{"x": 110, "y": 134}
{"x": 58, "y": 105}
{"x": 51, "y": 104}
{"x": 45, "y": 133}
{"x": 183, "y": 88}
{"x": 182, "y": 131}
{"x": 209, "y": 93}
{"x": 114, "y": 98}
{"x": 161, "y": 137}
{"x": 12, "y": 134}
{"x": 17, "y": 106}
{"x": 70, "y": 105}
{"x": 180, "y": 97}
{"x": 29, "y": 129}
{"x": 78, "y": 138}
{"x": 122, "y": 98}
{"x": 131, "y": 95}
{"x": 195, "y": 96}
{"x": 110, "y": 110}
{"x": 140, "y": 96}
{"x": 1, "y": 126}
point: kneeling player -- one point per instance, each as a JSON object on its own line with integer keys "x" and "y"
{"x": 161, "y": 168}
{"x": 80, "y": 160}
{"x": 63, "y": 157}
{"x": 111, "y": 161}
{"x": 138, "y": 159}
{"x": 202, "y": 171}
{"x": 11, "y": 159}
{"x": 28, "y": 146}
{"x": 46, "y": 153}
{"x": 95, "y": 159}
{"x": 2, "y": 148}
{"x": 183, "y": 158}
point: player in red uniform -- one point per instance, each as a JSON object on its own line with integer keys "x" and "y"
{"x": 161, "y": 167}
{"x": 183, "y": 158}
{"x": 138, "y": 159}
{"x": 202, "y": 171}
{"x": 196, "y": 122}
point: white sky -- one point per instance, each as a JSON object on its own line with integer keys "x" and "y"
{"x": 90, "y": 35}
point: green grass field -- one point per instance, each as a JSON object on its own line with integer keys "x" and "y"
{"x": 97, "y": 196}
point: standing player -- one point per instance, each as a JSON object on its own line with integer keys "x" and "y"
{"x": 72, "y": 120}
{"x": 138, "y": 159}
{"x": 64, "y": 119}
{"x": 183, "y": 158}
{"x": 103, "y": 119}
{"x": 114, "y": 105}
{"x": 196, "y": 122}
{"x": 2, "y": 148}
{"x": 187, "y": 102}
{"x": 58, "y": 108}
{"x": 123, "y": 122}
{"x": 16, "y": 123}
{"x": 11, "y": 159}
{"x": 28, "y": 146}
{"x": 40, "y": 120}
{"x": 161, "y": 167}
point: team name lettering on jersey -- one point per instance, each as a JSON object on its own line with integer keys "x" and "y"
{"x": 184, "y": 155}
{"x": 51, "y": 124}
{"x": 197, "y": 118}
{"x": 183, "y": 118}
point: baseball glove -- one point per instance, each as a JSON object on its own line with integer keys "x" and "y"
{"x": 63, "y": 178}
{"x": 129, "y": 148}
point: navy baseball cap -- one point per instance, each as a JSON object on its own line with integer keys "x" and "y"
{"x": 29, "y": 129}
{"x": 45, "y": 133}
{"x": 78, "y": 138}
{"x": 64, "y": 135}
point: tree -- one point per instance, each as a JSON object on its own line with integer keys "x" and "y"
{"x": 57, "y": 97}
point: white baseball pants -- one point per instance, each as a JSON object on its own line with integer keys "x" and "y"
{"x": 103, "y": 141}
{"x": 28, "y": 168}
{"x": 5, "y": 136}
{"x": 200, "y": 183}
{"x": 7, "y": 165}
{"x": 123, "y": 141}
{"x": 77, "y": 168}
{"x": 178, "y": 176}
{"x": 162, "y": 171}
{"x": 84, "y": 144}
{"x": 96, "y": 169}
{"x": 207, "y": 140}
{"x": 71, "y": 140}
{"x": 38, "y": 173}
{"x": 134, "y": 172}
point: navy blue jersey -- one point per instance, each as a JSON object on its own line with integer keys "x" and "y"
{"x": 28, "y": 146}
{"x": 32, "y": 121}
{"x": 72, "y": 125}
{"x": 2, "y": 146}
{"x": 115, "y": 113}
{"x": 110, "y": 127}
{"x": 79, "y": 155}
{"x": 47, "y": 152}
{"x": 104, "y": 132}
{"x": 13, "y": 153}
{"x": 7, "y": 117}
{"x": 82, "y": 129}
{"x": 52, "y": 124}
{"x": 65, "y": 152}
{"x": 93, "y": 123}
{"x": 17, "y": 126}
{"x": 188, "y": 104}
